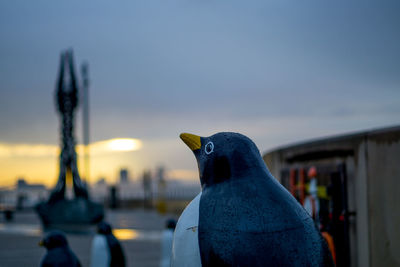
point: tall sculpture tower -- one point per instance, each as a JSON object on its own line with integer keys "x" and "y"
{"x": 67, "y": 102}
{"x": 59, "y": 212}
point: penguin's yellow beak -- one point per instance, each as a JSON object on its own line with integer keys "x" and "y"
{"x": 191, "y": 140}
{"x": 41, "y": 243}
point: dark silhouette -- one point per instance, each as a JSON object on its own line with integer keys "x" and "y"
{"x": 58, "y": 252}
{"x": 58, "y": 212}
{"x": 67, "y": 102}
{"x": 110, "y": 254}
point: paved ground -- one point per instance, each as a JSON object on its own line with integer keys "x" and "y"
{"x": 139, "y": 231}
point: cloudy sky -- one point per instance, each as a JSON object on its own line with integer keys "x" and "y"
{"x": 277, "y": 71}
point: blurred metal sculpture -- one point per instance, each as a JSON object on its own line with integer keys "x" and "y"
{"x": 59, "y": 212}
{"x": 67, "y": 102}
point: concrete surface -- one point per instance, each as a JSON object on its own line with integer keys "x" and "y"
{"x": 19, "y": 238}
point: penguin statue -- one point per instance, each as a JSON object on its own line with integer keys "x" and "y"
{"x": 58, "y": 252}
{"x": 166, "y": 243}
{"x": 243, "y": 216}
{"x": 106, "y": 249}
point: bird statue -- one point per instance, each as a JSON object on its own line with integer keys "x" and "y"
{"x": 106, "y": 249}
{"x": 58, "y": 252}
{"x": 243, "y": 216}
{"x": 167, "y": 236}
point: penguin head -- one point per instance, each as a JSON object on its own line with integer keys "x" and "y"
{"x": 170, "y": 224}
{"x": 54, "y": 239}
{"x": 104, "y": 228}
{"x": 223, "y": 156}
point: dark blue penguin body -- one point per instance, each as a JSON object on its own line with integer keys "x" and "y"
{"x": 116, "y": 252}
{"x": 246, "y": 218}
{"x": 58, "y": 252}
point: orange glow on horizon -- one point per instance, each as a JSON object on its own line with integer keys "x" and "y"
{"x": 183, "y": 175}
{"x": 43, "y": 150}
{"x": 39, "y": 163}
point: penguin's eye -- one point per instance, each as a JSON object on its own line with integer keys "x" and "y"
{"x": 209, "y": 148}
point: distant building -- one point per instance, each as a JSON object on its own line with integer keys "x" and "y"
{"x": 161, "y": 183}
{"x": 151, "y": 187}
{"x": 101, "y": 181}
{"x": 99, "y": 191}
{"x": 8, "y": 198}
{"x": 358, "y": 178}
{"x": 147, "y": 188}
{"x": 28, "y": 195}
{"x": 123, "y": 176}
{"x": 182, "y": 190}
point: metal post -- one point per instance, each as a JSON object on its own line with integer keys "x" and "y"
{"x": 85, "y": 117}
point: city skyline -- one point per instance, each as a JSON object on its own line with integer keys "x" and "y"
{"x": 278, "y": 71}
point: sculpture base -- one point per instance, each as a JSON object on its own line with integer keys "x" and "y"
{"x": 76, "y": 215}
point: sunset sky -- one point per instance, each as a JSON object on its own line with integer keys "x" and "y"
{"x": 277, "y": 71}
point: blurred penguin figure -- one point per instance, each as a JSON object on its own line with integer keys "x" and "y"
{"x": 106, "y": 249}
{"x": 166, "y": 243}
{"x": 58, "y": 252}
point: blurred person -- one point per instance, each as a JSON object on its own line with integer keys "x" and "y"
{"x": 166, "y": 243}
{"x": 58, "y": 252}
{"x": 106, "y": 249}
{"x": 311, "y": 202}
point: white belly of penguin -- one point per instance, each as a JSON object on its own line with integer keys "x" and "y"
{"x": 185, "y": 247}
